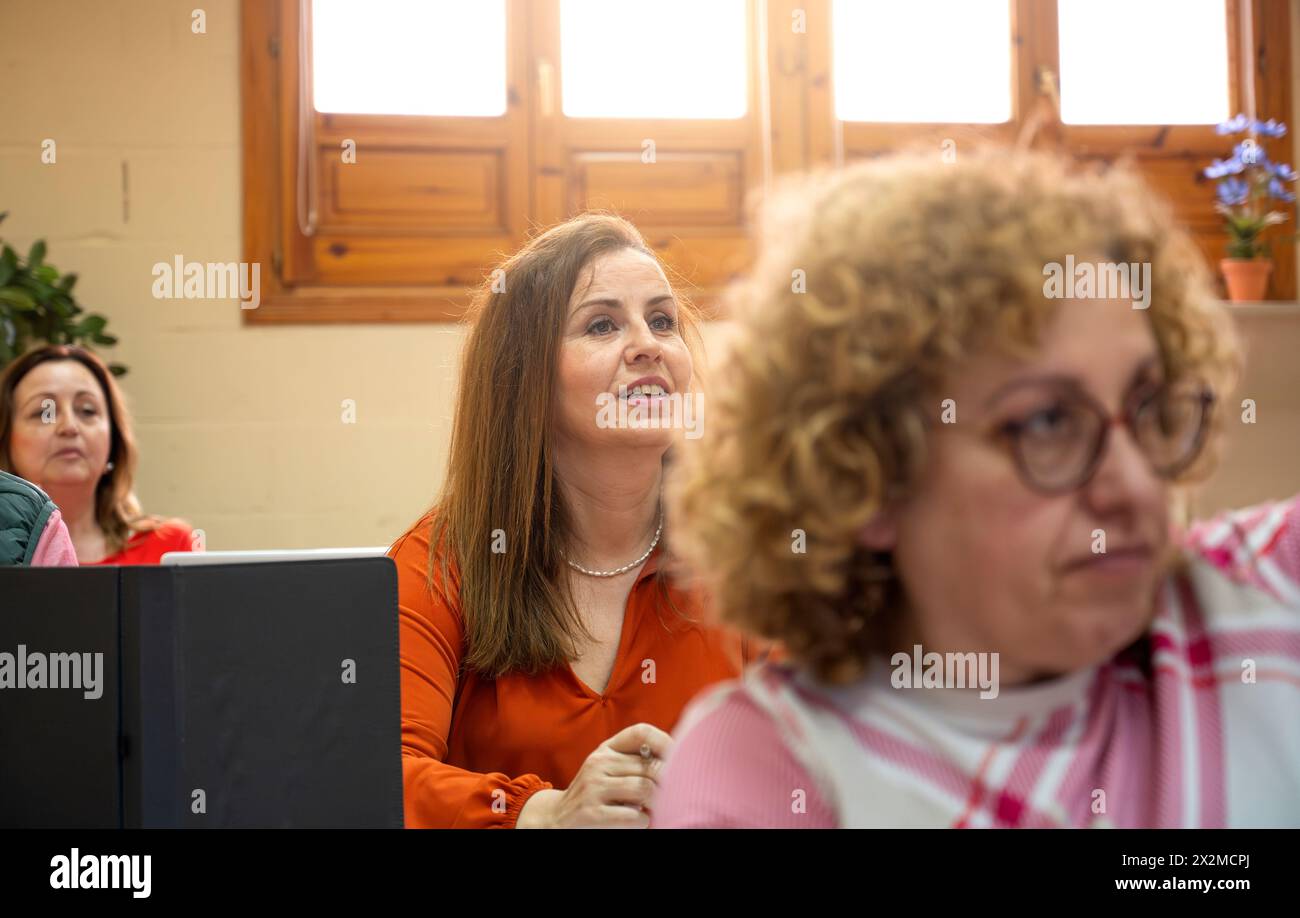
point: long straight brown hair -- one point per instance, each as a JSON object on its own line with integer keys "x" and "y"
{"x": 117, "y": 511}
{"x": 500, "y": 490}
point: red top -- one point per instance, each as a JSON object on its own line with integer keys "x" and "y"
{"x": 149, "y": 547}
{"x": 475, "y": 749}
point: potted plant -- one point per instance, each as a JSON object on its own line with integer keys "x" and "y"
{"x": 36, "y": 305}
{"x": 1248, "y": 184}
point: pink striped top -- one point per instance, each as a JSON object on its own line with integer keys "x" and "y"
{"x": 54, "y": 549}
{"x": 1205, "y": 731}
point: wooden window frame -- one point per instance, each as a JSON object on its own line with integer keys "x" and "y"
{"x": 271, "y": 92}
{"x": 542, "y": 154}
{"x": 790, "y": 84}
{"x": 1259, "y": 60}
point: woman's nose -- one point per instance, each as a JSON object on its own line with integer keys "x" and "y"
{"x": 642, "y": 343}
{"x": 65, "y": 422}
{"x": 1124, "y": 475}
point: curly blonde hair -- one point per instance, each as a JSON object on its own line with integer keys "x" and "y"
{"x": 870, "y": 284}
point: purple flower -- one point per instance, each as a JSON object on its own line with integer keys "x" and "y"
{"x": 1250, "y": 153}
{"x": 1233, "y": 191}
{"x": 1270, "y": 128}
{"x": 1239, "y": 123}
{"x": 1275, "y": 189}
{"x": 1221, "y": 167}
{"x": 1282, "y": 171}
{"x": 1233, "y": 125}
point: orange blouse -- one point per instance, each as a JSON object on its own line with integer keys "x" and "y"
{"x": 475, "y": 749}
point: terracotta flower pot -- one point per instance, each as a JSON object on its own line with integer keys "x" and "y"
{"x": 1246, "y": 278}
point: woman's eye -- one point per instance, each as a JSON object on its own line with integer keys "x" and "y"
{"x": 663, "y": 323}
{"x": 1051, "y": 421}
{"x": 600, "y": 327}
{"x": 1149, "y": 396}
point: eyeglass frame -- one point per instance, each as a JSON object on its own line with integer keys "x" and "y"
{"x": 1008, "y": 433}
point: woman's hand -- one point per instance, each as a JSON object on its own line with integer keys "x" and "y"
{"x": 612, "y": 789}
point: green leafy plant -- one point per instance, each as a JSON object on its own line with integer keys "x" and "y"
{"x": 36, "y": 305}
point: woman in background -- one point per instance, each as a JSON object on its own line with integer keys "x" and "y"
{"x": 64, "y": 427}
{"x": 983, "y": 473}
{"x": 544, "y": 654}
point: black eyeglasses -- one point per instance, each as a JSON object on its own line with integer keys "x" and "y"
{"x": 1059, "y": 448}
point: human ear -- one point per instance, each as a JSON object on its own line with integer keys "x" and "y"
{"x": 880, "y": 533}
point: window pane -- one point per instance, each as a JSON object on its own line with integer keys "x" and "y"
{"x": 409, "y": 57}
{"x": 665, "y": 59}
{"x": 1147, "y": 62}
{"x": 946, "y": 61}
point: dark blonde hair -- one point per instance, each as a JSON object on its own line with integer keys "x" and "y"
{"x": 117, "y": 511}
{"x": 518, "y": 613}
{"x": 818, "y": 417}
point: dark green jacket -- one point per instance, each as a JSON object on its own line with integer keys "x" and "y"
{"x": 24, "y": 511}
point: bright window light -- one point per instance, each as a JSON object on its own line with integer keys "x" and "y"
{"x": 941, "y": 61}
{"x": 409, "y": 57}
{"x": 1144, "y": 61}
{"x": 660, "y": 59}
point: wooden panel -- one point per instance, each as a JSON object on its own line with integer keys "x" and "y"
{"x": 1177, "y": 178}
{"x": 467, "y": 133}
{"x": 704, "y": 262}
{"x": 358, "y": 303}
{"x": 677, "y": 189}
{"x": 860, "y": 139}
{"x": 631, "y": 133}
{"x": 293, "y": 249}
{"x": 1272, "y": 71}
{"x": 803, "y": 94}
{"x": 413, "y": 190}
{"x": 385, "y": 260}
{"x": 259, "y": 28}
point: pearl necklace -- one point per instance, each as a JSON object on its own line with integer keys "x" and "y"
{"x": 626, "y": 567}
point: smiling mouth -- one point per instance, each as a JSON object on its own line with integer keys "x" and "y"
{"x": 643, "y": 392}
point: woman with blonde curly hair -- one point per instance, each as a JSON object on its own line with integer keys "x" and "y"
{"x": 945, "y": 475}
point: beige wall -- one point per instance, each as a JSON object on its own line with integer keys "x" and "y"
{"x": 240, "y": 427}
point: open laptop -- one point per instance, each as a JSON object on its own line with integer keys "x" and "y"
{"x": 238, "y": 679}
{"x": 191, "y": 558}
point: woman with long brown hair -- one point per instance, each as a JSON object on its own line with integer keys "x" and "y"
{"x": 65, "y": 428}
{"x": 542, "y": 646}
